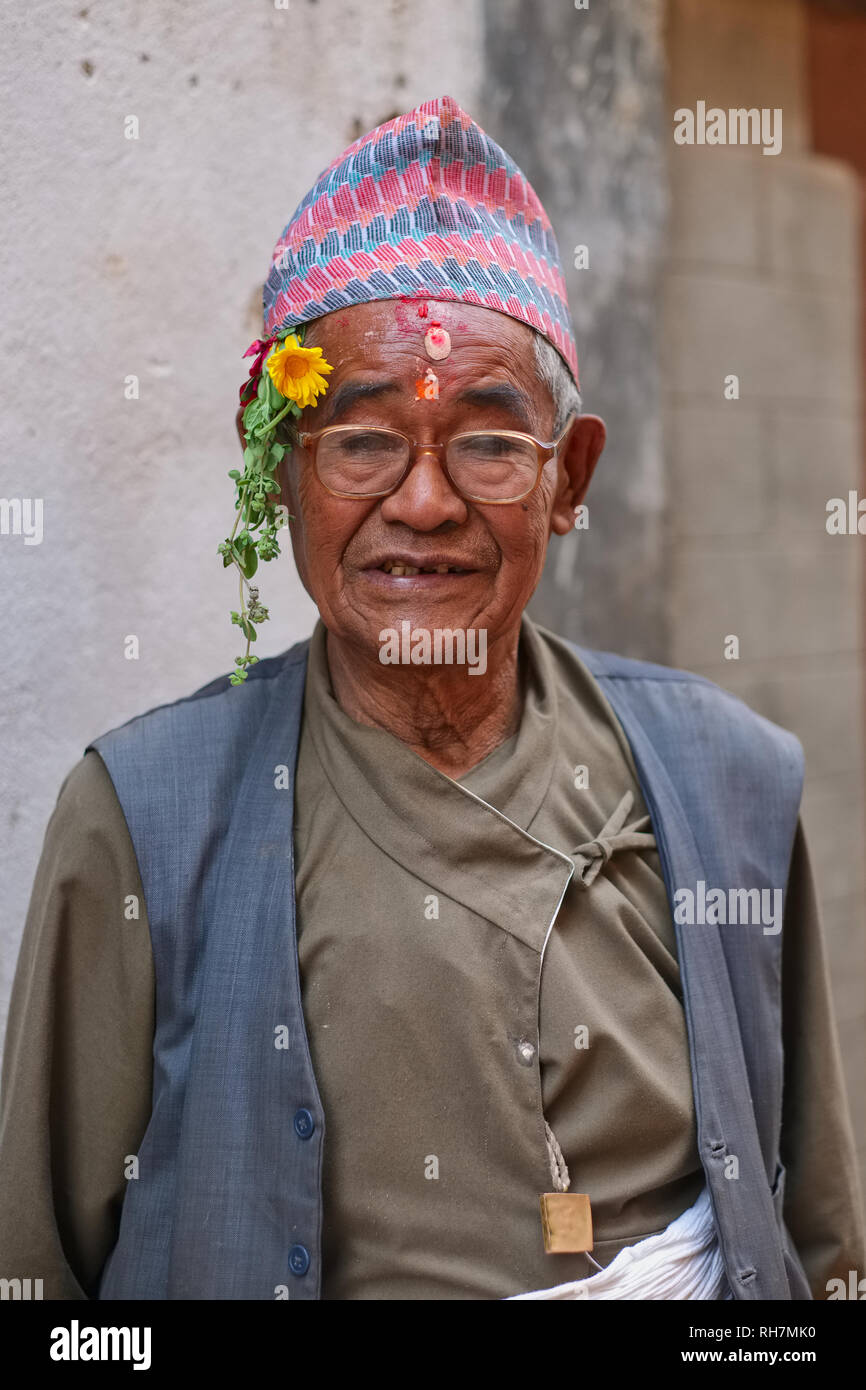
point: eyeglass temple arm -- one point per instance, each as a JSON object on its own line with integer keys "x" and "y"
{"x": 555, "y": 443}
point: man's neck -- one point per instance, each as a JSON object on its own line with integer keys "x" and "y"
{"x": 450, "y": 719}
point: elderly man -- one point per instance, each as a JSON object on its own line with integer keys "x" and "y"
{"x": 379, "y": 974}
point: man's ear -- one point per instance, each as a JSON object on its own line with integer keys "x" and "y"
{"x": 577, "y": 459}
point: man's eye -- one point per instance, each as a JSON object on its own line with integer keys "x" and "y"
{"x": 365, "y": 444}
{"x": 488, "y": 446}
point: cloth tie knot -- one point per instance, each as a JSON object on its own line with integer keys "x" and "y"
{"x": 590, "y": 858}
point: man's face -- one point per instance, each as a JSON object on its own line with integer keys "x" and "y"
{"x": 343, "y": 547}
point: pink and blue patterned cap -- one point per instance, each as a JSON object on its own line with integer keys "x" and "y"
{"x": 425, "y": 206}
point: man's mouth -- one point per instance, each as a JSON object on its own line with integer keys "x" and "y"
{"x": 399, "y": 569}
{"x": 429, "y": 569}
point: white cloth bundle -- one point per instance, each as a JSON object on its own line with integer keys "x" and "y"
{"x": 683, "y": 1261}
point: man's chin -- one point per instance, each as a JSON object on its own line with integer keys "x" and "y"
{"x": 426, "y": 644}
{"x": 414, "y": 632}
{"x": 375, "y": 600}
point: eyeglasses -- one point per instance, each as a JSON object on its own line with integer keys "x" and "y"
{"x": 492, "y": 466}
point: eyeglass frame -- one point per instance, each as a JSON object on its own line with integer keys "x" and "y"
{"x": 544, "y": 451}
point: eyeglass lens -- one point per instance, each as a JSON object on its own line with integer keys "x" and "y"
{"x": 486, "y": 465}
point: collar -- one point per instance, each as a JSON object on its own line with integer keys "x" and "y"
{"x": 444, "y": 832}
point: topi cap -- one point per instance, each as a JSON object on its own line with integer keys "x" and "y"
{"x": 425, "y": 206}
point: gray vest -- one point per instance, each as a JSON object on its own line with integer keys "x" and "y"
{"x": 228, "y": 1202}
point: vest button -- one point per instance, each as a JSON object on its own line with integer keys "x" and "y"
{"x": 304, "y": 1124}
{"x": 525, "y": 1052}
{"x": 299, "y": 1259}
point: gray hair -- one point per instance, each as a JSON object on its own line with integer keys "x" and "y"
{"x": 556, "y": 376}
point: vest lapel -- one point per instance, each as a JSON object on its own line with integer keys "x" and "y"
{"x": 248, "y": 1190}
{"x": 720, "y": 1082}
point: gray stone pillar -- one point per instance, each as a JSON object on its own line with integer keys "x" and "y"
{"x": 576, "y": 97}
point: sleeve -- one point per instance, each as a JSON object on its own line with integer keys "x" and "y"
{"x": 823, "y": 1206}
{"x": 78, "y": 1060}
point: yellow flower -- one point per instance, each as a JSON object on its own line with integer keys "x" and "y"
{"x": 297, "y": 372}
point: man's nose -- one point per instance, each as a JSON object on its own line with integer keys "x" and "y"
{"x": 425, "y": 498}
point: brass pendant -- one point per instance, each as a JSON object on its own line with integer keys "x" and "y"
{"x": 566, "y": 1221}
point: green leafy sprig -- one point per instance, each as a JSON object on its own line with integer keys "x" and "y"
{"x": 258, "y": 513}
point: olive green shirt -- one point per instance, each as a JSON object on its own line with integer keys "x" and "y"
{"x": 461, "y": 987}
{"x": 424, "y": 1029}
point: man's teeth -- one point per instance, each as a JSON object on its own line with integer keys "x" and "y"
{"x": 400, "y": 570}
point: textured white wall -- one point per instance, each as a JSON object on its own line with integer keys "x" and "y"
{"x": 147, "y": 257}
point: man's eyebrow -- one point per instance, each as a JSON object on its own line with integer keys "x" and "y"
{"x": 500, "y": 393}
{"x": 348, "y": 392}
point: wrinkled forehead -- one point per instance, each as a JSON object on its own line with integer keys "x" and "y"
{"x": 414, "y": 357}
{"x": 439, "y": 334}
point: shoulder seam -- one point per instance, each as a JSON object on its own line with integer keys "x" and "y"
{"x": 281, "y": 661}
{"x": 673, "y": 673}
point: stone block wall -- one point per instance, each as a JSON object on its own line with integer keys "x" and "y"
{"x": 762, "y": 280}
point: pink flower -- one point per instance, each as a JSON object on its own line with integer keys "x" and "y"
{"x": 261, "y": 347}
